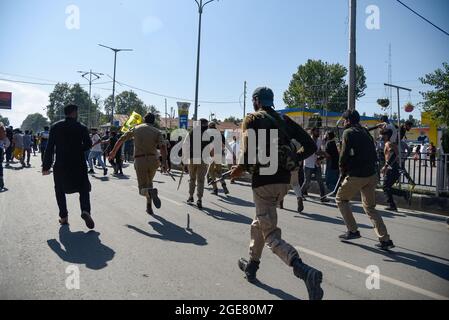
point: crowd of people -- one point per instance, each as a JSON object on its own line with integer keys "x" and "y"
{"x": 351, "y": 167}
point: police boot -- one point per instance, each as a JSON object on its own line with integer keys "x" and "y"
{"x": 225, "y": 189}
{"x": 150, "y": 209}
{"x": 312, "y": 278}
{"x": 300, "y": 205}
{"x": 249, "y": 268}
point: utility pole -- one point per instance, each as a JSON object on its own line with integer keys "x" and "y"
{"x": 113, "y": 80}
{"x": 352, "y": 53}
{"x": 244, "y": 101}
{"x": 90, "y": 80}
{"x": 390, "y": 79}
{"x": 399, "y": 117}
{"x": 201, "y": 6}
{"x": 166, "y": 115}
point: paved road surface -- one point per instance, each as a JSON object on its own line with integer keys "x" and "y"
{"x": 191, "y": 254}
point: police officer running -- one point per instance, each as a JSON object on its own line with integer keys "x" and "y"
{"x": 215, "y": 168}
{"x": 269, "y": 190}
{"x": 358, "y": 165}
{"x": 147, "y": 138}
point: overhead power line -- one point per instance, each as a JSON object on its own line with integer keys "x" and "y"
{"x": 425, "y": 19}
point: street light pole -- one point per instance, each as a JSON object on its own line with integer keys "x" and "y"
{"x": 113, "y": 80}
{"x": 201, "y": 6}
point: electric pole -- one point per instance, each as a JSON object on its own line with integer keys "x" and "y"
{"x": 352, "y": 53}
{"x": 201, "y": 6}
{"x": 113, "y": 80}
{"x": 90, "y": 80}
{"x": 244, "y": 101}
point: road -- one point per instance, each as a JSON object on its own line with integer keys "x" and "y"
{"x": 185, "y": 253}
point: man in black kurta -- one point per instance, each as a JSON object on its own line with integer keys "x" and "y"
{"x": 69, "y": 140}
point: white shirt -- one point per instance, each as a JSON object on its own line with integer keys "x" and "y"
{"x": 95, "y": 139}
{"x": 310, "y": 162}
{"x": 235, "y": 147}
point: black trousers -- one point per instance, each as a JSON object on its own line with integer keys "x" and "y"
{"x": 391, "y": 178}
{"x": 62, "y": 201}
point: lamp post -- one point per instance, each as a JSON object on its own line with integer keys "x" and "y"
{"x": 201, "y": 6}
{"x": 113, "y": 80}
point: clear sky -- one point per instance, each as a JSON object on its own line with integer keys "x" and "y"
{"x": 260, "y": 41}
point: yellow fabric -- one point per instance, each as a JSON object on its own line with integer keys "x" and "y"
{"x": 134, "y": 120}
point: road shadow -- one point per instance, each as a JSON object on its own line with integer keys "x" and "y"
{"x": 227, "y": 215}
{"x": 427, "y": 217}
{"x": 237, "y": 201}
{"x": 383, "y": 213}
{"x": 281, "y": 294}
{"x": 438, "y": 269}
{"x": 102, "y": 179}
{"x": 81, "y": 248}
{"x": 171, "y": 232}
{"x": 121, "y": 177}
{"x": 326, "y": 219}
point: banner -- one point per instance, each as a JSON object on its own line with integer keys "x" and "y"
{"x": 426, "y": 119}
{"x": 134, "y": 120}
{"x": 183, "y": 112}
{"x": 5, "y": 100}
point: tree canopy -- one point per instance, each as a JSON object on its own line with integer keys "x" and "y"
{"x": 321, "y": 85}
{"x": 437, "y": 101}
{"x": 34, "y": 122}
{"x": 64, "y": 94}
{"x": 125, "y": 103}
{"x": 4, "y": 120}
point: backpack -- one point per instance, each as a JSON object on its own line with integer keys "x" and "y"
{"x": 288, "y": 156}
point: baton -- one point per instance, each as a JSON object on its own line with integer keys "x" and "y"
{"x": 171, "y": 175}
{"x": 180, "y": 179}
{"x": 222, "y": 178}
{"x": 337, "y": 187}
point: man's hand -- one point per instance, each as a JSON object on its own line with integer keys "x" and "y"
{"x": 111, "y": 156}
{"x": 237, "y": 172}
{"x": 45, "y": 172}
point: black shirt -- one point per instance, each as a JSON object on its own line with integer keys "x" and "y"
{"x": 332, "y": 150}
{"x": 358, "y": 154}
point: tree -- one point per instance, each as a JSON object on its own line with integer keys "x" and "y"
{"x": 233, "y": 120}
{"x": 34, "y": 122}
{"x": 319, "y": 84}
{"x": 4, "y": 120}
{"x": 64, "y": 94}
{"x": 437, "y": 101}
{"x": 125, "y": 103}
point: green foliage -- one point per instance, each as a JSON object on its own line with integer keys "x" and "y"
{"x": 4, "y": 120}
{"x": 319, "y": 84}
{"x": 34, "y": 122}
{"x": 437, "y": 101}
{"x": 125, "y": 103}
{"x": 64, "y": 94}
{"x": 233, "y": 119}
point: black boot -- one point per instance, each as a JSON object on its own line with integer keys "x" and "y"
{"x": 249, "y": 268}
{"x": 225, "y": 189}
{"x": 150, "y": 209}
{"x": 199, "y": 204}
{"x": 300, "y": 205}
{"x": 153, "y": 193}
{"x": 312, "y": 278}
{"x": 2, "y": 183}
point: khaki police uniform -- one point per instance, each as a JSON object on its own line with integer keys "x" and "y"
{"x": 146, "y": 158}
{"x": 269, "y": 191}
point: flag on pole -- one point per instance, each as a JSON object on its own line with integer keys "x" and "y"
{"x": 134, "y": 120}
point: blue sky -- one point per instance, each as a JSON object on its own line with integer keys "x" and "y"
{"x": 260, "y": 41}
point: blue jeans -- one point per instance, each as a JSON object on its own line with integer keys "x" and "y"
{"x": 96, "y": 155}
